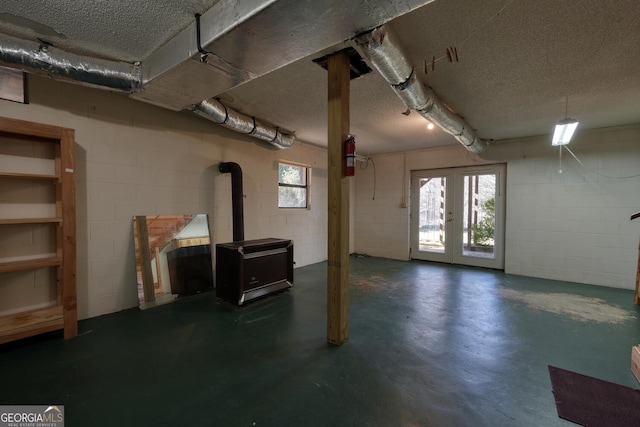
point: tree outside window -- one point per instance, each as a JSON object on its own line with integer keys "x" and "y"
{"x": 484, "y": 231}
{"x": 293, "y": 186}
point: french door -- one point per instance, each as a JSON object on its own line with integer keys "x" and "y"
{"x": 457, "y": 215}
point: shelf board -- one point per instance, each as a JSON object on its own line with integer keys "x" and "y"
{"x": 30, "y": 264}
{"x": 27, "y": 175}
{"x": 10, "y": 221}
{"x": 51, "y": 174}
{"x": 32, "y": 322}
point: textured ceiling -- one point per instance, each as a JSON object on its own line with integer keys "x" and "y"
{"x": 517, "y": 68}
{"x": 519, "y": 62}
{"x": 114, "y": 29}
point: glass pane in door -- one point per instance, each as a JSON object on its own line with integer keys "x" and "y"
{"x": 431, "y": 214}
{"x": 478, "y": 216}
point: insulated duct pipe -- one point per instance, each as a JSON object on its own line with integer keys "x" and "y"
{"x": 217, "y": 112}
{"x": 237, "y": 198}
{"x": 41, "y": 58}
{"x": 387, "y": 56}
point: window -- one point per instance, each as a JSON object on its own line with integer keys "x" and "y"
{"x": 293, "y": 185}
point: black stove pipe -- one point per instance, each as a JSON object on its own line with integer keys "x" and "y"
{"x": 236, "y": 198}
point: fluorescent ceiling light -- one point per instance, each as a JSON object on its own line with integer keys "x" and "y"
{"x": 564, "y": 131}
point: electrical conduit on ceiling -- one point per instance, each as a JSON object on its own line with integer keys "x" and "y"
{"x": 40, "y": 58}
{"x": 387, "y": 56}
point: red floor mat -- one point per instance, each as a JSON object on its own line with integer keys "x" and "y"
{"x": 592, "y": 402}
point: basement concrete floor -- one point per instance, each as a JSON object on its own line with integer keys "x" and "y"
{"x": 430, "y": 345}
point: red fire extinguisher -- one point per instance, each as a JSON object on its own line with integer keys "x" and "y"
{"x": 350, "y": 156}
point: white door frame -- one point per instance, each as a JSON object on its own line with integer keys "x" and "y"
{"x": 453, "y": 216}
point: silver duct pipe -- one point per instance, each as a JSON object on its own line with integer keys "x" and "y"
{"x": 40, "y": 58}
{"x": 387, "y": 56}
{"x": 217, "y": 112}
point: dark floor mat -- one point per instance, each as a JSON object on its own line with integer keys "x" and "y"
{"x": 592, "y": 402}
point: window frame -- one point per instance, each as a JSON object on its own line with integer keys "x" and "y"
{"x": 306, "y": 186}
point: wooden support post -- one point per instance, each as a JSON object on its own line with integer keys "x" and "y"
{"x": 68, "y": 211}
{"x": 338, "y": 202}
{"x": 636, "y": 298}
{"x": 145, "y": 259}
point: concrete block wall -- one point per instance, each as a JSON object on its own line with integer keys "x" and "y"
{"x": 136, "y": 159}
{"x": 575, "y": 225}
{"x": 381, "y": 208}
{"x": 571, "y": 226}
{"x": 382, "y": 225}
{"x": 262, "y": 217}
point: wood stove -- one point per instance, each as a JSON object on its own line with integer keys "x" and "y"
{"x": 250, "y": 269}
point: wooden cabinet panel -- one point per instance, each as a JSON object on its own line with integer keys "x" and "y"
{"x": 38, "y": 213}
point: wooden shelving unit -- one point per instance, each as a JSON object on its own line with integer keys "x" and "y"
{"x": 27, "y": 175}
{"x": 62, "y": 314}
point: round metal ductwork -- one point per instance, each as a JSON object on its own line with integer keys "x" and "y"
{"x": 387, "y": 56}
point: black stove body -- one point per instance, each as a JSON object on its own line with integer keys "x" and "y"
{"x": 251, "y": 269}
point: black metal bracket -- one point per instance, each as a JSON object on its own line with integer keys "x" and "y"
{"x": 204, "y": 53}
